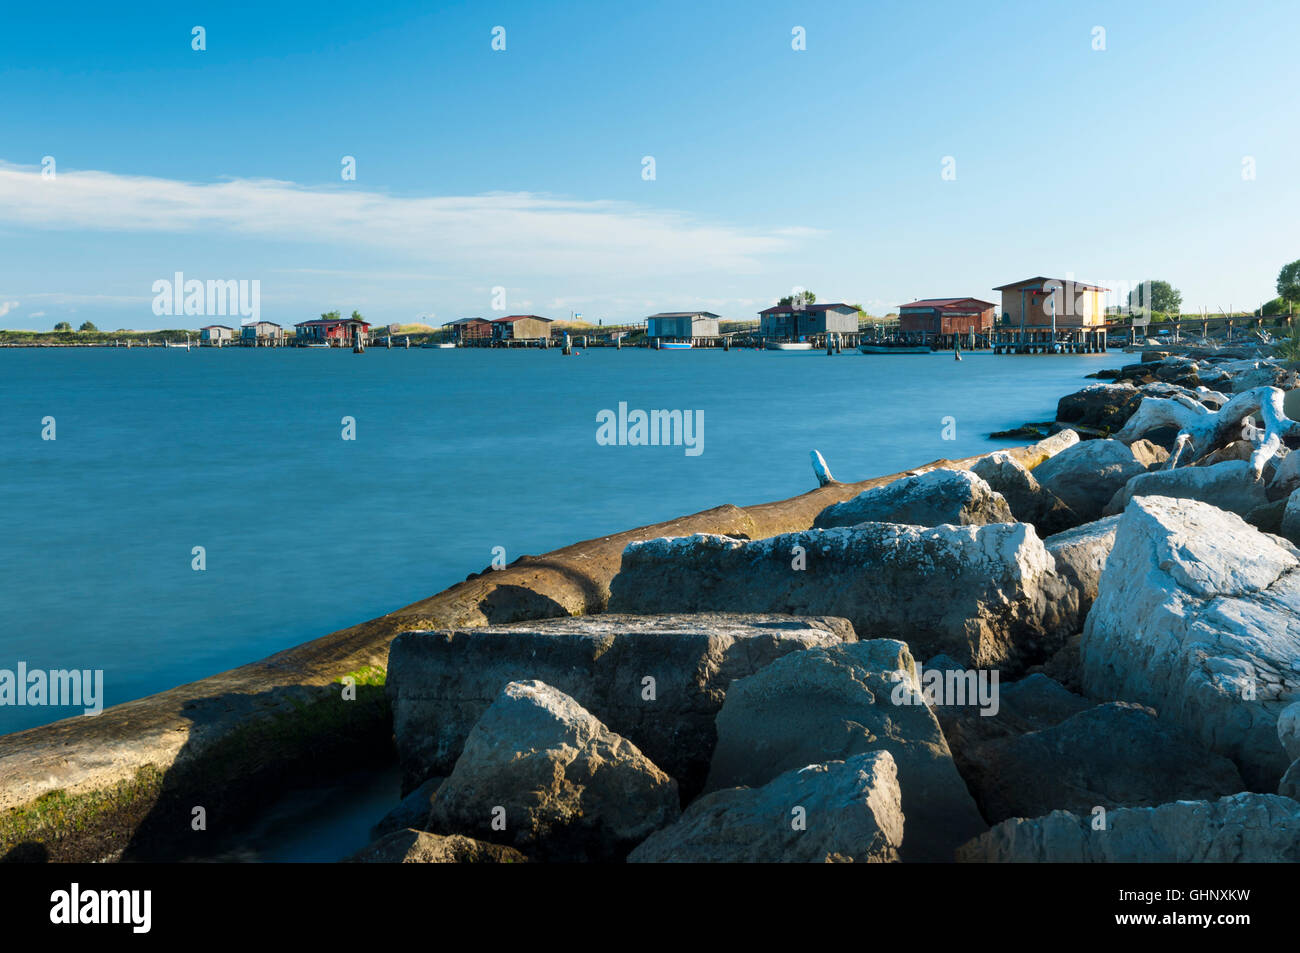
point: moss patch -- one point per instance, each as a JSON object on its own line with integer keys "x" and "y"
{"x": 78, "y": 827}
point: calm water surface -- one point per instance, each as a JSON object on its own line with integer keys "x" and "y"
{"x": 456, "y": 452}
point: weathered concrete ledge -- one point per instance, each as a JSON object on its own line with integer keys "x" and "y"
{"x": 125, "y": 784}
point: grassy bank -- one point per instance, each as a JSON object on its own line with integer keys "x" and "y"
{"x": 92, "y": 338}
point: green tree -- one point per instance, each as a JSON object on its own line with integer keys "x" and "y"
{"x": 356, "y": 315}
{"x": 1165, "y": 298}
{"x": 1270, "y": 308}
{"x": 87, "y": 326}
{"x": 808, "y": 298}
{"x": 330, "y": 316}
{"x": 63, "y": 326}
{"x": 1288, "y": 283}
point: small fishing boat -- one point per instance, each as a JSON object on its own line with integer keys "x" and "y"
{"x": 789, "y": 345}
{"x": 440, "y": 345}
{"x": 675, "y": 345}
{"x": 894, "y": 347}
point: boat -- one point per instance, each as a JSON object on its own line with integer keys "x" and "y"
{"x": 894, "y": 347}
{"x": 675, "y": 345}
{"x": 438, "y": 344}
{"x": 317, "y": 345}
{"x": 789, "y": 345}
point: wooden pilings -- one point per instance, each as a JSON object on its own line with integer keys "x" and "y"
{"x": 1045, "y": 341}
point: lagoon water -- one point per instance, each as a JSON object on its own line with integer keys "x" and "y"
{"x": 456, "y": 452}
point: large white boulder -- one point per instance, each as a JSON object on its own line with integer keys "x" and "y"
{"x": 1230, "y": 485}
{"x": 839, "y": 811}
{"x": 989, "y": 596}
{"x": 927, "y": 499}
{"x": 1243, "y": 828}
{"x": 1198, "y": 616}
{"x": 541, "y": 774}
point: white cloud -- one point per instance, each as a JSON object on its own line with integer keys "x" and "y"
{"x": 518, "y": 232}
{"x": 6, "y": 307}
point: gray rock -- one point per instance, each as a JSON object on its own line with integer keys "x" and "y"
{"x": 1048, "y": 447}
{"x": 1028, "y": 501}
{"x": 440, "y": 682}
{"x": 1288, "y": 730}
{"x": 1031, "y": 704}
{"x": 1230, "y": 486}
{"x": 1064, "y": 666}
{"x": 540, "y": 773}
{"x": 1268, "y": 517}
{"x": 419, "y": 847}
{"x": 1237, "y": 450}
{"x": 1289, "y": 786}
{"x": 1262, "y": 375}
{"x": 1080, "y": 555}
{"x": 932, "y": 498}
{"x": 1290, "y": 525}
{"x": 1243, "y": 828}
{"x": 1087, "y": 475}
{"x": 1099, "y": 406}
{"x": 943, "y": 663}
{"x": 988, "y": 596}
{"x": 1112, "y": 755}
{"x": 830, "y": 704}
{"x": 1198, "y": 616}
{"x": 1150, "y": 455}
{"x": 1286, "y": 478}
{"x": 840, "y": 811}
{"x": 411, "y": 813}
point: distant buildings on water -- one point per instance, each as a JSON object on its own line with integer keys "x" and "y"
{"x": 216, "y": 334}
{"x": 1043, "y": 302}
{"x": 682, "y": 325}
{"x": 470, "y": 330}
{"x": 521, "y": 327}
{"x": 946, "y": 316}
{"x": 334, "y": 331}
{"x": 1037, "y": 305}
{"x": 262, "y": 334}
{"x": 794, "y": 321}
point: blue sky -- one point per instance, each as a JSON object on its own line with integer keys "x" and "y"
{"x": 522, "y": 168}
